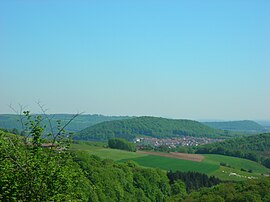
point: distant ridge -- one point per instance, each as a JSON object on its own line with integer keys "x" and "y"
{"x": 149, "y": 126}
{"x": 245, "y": 126}
{"x": 10, "y": 121}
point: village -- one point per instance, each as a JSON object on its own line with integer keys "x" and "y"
{"x": 188, "y": 141}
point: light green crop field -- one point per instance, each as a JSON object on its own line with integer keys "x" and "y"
{"x": 210, "y": 165}
{"x": 234, "y": 172}
{"x": 106, "y": 153}
{"x": 235, "y": 162}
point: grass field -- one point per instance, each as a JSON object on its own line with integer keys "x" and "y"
{"x": 173, "y": 164}
{"x": 106, "y": 153}
{"x": 210, "y": 164}
{"x": 235, "y": 162}
{"x": 235, "y": 166}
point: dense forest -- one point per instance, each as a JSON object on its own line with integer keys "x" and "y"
{"x": 255, "y": 148}
{"x": 193, "y": 180}
{"x": 246, "y": 126}
{"x": 246, "y": 191}
{"x": 151, "y": 127}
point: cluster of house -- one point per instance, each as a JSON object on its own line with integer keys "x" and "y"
{"x": 177, "y": 141}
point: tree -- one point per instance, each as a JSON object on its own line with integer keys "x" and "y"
{"x": 179, "y": 189}
{"x": 266, "y": 162}
{"x": 119, "y": 143}
{"x": 32, "y": 172}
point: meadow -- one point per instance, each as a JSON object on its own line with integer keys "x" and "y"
{"x": 106, "y": 153}
{"x": 210, "y": 164}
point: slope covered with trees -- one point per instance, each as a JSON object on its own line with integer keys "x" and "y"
{"x": 149, "y": 126}
{"x": 245, "y": 126}
{"x": 34, "y": 171}
{"x": 193, "y": 180}
{"x": 10, "y": 121}
{"x": 251, "y": 190}
{"x": 80, "y": 176}
{"x": 256, "y": 148}
{"x": 30, "y": 172}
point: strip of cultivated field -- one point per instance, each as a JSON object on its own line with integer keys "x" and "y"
{"x": 176, "y": 155}
{"x": 206, "y": 163}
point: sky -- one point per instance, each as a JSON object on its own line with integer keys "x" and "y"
{"x": 177, "y": 59}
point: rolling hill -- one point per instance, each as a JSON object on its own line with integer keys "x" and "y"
{"x": 10, "y": 121}
{"x": 209, "y": 165}
{"x": 245, "y": 126}
{"x": 150, "y": 127}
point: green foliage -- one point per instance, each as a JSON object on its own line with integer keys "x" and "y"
{"x": 119, "y": 143}
{"x": 240, "y": 126}
{"x": 13, "y": 131}
{"x": 10, "y": 121}
{"x": 148, "y": 126}
{"x": 251, "y": 190}
{"x": 255, "y": 148}
{"x": 30, "y": 172}
{"x": 123, "y": 182}
{"x": 266, "y": 162}
{"x": 192, "y": 180}
{"x": 178, "y": 189}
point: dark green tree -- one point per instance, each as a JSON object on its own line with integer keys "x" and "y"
{"x": 119, "y": 143}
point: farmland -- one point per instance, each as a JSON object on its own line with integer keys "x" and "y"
{"x": 209, "y": 165}
{"x": 176, "y": 155}
{"x": 167, "y": 163}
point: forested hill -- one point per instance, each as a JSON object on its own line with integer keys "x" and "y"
{"x": 245, "y": 126}
{"x": 10, "y": 121}
{"x": 255, "y": 147}
{"x": 148, "y": 126}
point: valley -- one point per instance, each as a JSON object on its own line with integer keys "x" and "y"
{"x": 209, "y": 164}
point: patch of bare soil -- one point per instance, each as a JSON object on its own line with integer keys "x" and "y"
{"x": 176, "y": 155}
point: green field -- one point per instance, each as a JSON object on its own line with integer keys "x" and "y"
{"x": 236, "y": 164}
{"x": 106, "y": 153}
{"x": 210, "y": 165}
{"x": 166, "y": 163}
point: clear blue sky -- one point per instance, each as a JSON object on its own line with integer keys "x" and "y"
{"x": 180, "y": 59}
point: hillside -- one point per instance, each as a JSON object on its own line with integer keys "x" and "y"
{"x": 245, "y": 126}
{"x": 208, "y": 164}
{"x": 76, "y": 175}
{"x": 148, "y": 126}
{"x": 255, "y": 147}
{"x": 10, "y": 121}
